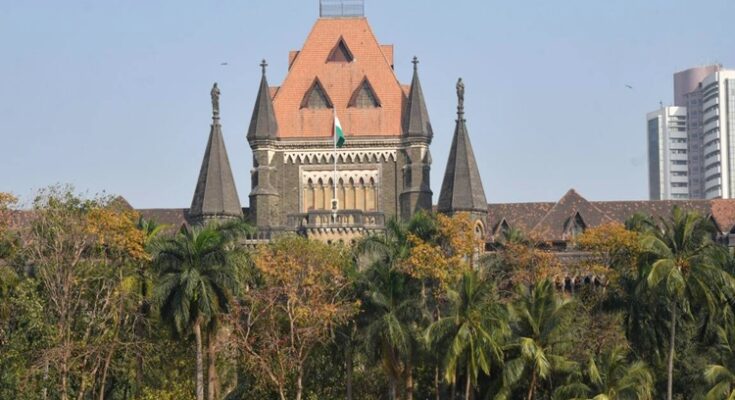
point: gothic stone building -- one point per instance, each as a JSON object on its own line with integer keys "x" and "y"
{"x": 383, "y": 169}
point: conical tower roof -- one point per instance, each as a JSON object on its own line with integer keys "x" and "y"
{"x": 462, "y": 187}
{"x": 417, "y": 117}
{"x": 263, "y": 123}
{"x": 215, "y": 195}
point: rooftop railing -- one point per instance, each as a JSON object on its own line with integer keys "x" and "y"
{"x": 341, "y": 8}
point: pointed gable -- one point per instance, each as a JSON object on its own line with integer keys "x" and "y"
{"x": 571, "y": 212}
{"x": 340, "y": 80}
{"x": 364, "y": 96}
{"x": 316, "y": 97}
{"x": 340, "y": 52}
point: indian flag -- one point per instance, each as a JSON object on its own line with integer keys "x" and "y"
{"x": 339, "y": 134}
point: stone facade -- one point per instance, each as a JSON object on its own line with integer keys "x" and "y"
{"x": 383, "y": 169}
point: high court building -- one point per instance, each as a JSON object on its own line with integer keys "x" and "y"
{"x": 302, "y": 183}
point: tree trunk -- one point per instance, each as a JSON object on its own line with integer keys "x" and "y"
{"x": 105, "y": 368}
{"x": 44, "y": 392}
{"x": 453, "y": 392}
{"x": 199, "y": 366}
{"x": 532, "y": 388}
{"x": 64, "y": 374}
{"x": 392, "y": 389}
{"x": 409, "y": 381}
{"x": 468, "y": 384}
{"x": 348, "y": 367}
{"x": 212, "y": 389}
{"x": 672, "y": 350}
{"x": 299, "y": 383}
{"x": 140, "y": 329}
{"x": 437, "y": 387}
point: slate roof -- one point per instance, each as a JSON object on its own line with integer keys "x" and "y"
{"x": 462, "y": 187}
{"x": 553, "y": 224}
{"x": 263, "y": 124}
{"x": 417, "y": 117}
{"x": 215, "y": 194}
{"x": 340, "y": 80}
{"x": 546, "y": 221}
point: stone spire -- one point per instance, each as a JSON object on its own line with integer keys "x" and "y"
{"x": 417, "y": 118}
{"x": 263, "y": 123}
{"x": 462, "y": 187}
{"x": 215, "y": 196}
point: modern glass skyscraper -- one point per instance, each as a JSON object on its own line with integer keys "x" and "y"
{"x": 667, "y": 154}
{"x": 706, "y": 97}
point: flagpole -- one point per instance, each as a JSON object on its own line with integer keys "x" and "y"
{"x": 334, "y": 178}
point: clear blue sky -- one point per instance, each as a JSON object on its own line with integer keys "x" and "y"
{"x": 114, "y": 95}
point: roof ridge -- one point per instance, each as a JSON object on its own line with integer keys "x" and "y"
{"x": 569, "y": 194}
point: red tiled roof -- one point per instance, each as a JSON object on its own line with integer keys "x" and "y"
{"x": 340, "y": 79}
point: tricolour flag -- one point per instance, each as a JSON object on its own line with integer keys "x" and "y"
{"x": 339, "y": 135}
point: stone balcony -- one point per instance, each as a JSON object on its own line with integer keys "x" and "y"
{"x": 342, "y": 219}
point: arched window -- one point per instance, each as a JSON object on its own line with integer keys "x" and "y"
{"x": 350, "y": 195}
{"x": 370, "y": 196}
{"x": 319, "y": 197}
{"x": 360, "y": 195}
{"x": 309, "y": 195}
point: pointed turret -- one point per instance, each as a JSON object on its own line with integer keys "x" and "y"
{"x": 462, "y": 187}
{"x": 264, "y": 198}
{"x": 215, "y": 196}
{"x": 417, "y": 118}
{"x": 263, "y": 123}
{"x": 416, "y": 193}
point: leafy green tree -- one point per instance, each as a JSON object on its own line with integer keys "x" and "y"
{"x": 541, "y": 335}
{"x": 472, "y": 331}
{"x": 391, "y": 335}
{"x": 197, "y": 279}
{"x": 682, "y": 272}
{"x": 612, "y": 377}
{"x": 721, "y": 376}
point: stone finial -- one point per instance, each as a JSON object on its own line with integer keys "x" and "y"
{"x": 415, "y": 63}
{"x": 460, "y": 97}
{"x": 263, "y": 64}
{"x": 215, "y": 101}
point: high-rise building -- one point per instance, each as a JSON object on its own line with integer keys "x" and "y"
{"x": 707, "y": 97}
{"x": 667, "y": 154}
{"x": 688, "y": 93}
{"x": 718, "y": 125}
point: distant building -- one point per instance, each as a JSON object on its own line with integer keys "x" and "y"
{"x": 668, "y": 172}
{"x": 688, "y": 93}
{"x": 718, "y": 115}
{"x": 708, "y": 93}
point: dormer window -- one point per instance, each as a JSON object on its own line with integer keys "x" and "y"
{"x": 574, "y": 226}
{"x": 364, "y": 96}
{"x": 316, "y": 97}
{"x": 340, "y": 53}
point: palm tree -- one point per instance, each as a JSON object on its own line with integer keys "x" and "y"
{"x": 611, "y": 377}
{"x": 390, "y": 296}
{"x": 472, "y": 331}
{"x": 197, "y": 278}
{"x": 721, "y": 376}
{"x": 391, "y": 331}
{"x": 682, "y": 272}
{"x": 540, "y": 325}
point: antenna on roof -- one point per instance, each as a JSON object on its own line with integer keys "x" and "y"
{"x": 341, "y": 8}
